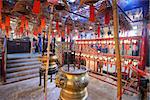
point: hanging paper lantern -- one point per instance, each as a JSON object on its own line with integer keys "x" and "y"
{"x": 107, "y": 18}
{"x": 36, "y": 7}
{"x": 43, "y": 23}
{"x": 7, "y": 21}
{"x": 98, "y": 31}
{"x": 92, "y": 13}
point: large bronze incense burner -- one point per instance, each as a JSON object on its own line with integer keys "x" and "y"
{"x": 73, "y": 83}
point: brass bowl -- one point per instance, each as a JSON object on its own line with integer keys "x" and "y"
{"x": 73, "y": 83}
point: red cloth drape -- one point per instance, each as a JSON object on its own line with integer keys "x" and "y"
{"x": 7, "y": 21}
{"x": 92, "y": 13}
{"x": 107, "y": 18}
{"x": 36, "y": 6}
{"x": 98, "y": 31}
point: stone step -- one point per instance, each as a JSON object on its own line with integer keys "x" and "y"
{"x": 22, "y": 60}
{"x": 22, "y": 73}
{"x": 23, "y": 64}
{"x": 22, "y": 78}
{"x": 23, "y": 55}
{"x": 17, "y": 69}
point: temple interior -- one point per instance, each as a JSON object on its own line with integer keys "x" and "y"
{"x": 74, "y": 50}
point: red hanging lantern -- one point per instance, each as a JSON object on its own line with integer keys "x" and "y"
{"x": 92, "y": 13}
{"x": 42, "y": 23}
{"x": 7, "y": 21}
{"x": 98, "y": 31}
{"x": 36, "y": 7}
{"x": 107, "y": 18}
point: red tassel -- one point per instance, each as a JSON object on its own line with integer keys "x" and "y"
{"x": 43, "y": 23}
{"x": 1, "y": 5}
{"x": 7, "y": 21}
{"x": 92, "y": 13}
{"x": 3, "y": 26}
{"x": 21, "y": 30}
{"x": 98, "y": 31}
{"x": 26, "y": 25}
{"x": 36, "y": 7}
{"x": 23, "y": 19}
{"x": 63, "y": 34}
{"x": 107, "y": 18}
{"x": 35, "y": 33}
{"x": 68, "y": 29}
{"x": 57, "y": 26}
{"x": 39, "y": 30}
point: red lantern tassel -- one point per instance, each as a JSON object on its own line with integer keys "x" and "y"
{"x": 7, "y": 21}
{"x": 98, "y": 31}
{"x": 1, "y": 5}
{"x": 26, "y": 25}
{"x": 23, "y": 19}
{"x": 36, "y": 6}
{"x": 107, "y": 18}
{"x": 57, "y": 26}
{"x": 35, "y": 33}
{"x": 68, "y": 29}
{"x": 43, "y": 23}
{"x": 92, "y": 13}
{"x": 63, "y": 34}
